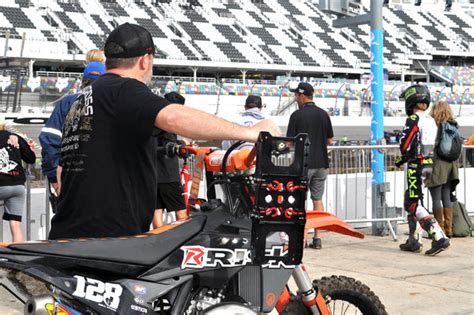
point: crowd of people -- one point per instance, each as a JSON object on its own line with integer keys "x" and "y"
{"x": 99, "y": 150}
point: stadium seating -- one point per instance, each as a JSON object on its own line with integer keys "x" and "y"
{"x": 268, "y": 32}
{"x": 459, "y": 75}
{"x": 262, "y": 32}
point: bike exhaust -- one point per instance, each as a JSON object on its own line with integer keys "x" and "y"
{"x": 38, "y": 305}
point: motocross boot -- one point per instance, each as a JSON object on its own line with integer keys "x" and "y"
{"x": 413, "y": 243}
{"x": 438, "y": 246}
{"x": 439, "y": 240}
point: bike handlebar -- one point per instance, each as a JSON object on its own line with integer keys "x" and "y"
{"x": 238, "y": 160}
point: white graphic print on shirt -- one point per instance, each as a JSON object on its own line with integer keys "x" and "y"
{"x": 5, "y": 164}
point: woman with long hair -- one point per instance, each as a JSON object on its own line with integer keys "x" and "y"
{"x": 445, "y": 175}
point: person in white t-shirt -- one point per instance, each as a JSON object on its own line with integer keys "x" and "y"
{"x": 249, "y": 117}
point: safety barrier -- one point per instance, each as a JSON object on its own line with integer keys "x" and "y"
{"x": 348, "y": 190}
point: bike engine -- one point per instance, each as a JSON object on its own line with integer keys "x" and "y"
{"x": 203, "y": 300}
{"x": 214, "y": 302}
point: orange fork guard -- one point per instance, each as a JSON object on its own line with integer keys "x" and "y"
{"x": 326, "y": 221}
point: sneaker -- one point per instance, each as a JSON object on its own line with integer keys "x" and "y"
{"x": 438, "y": 246}
{"x": 316, "y": 244}
{"x": 411, "y": 245}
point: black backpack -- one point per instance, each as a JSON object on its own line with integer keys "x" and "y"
{"x": 450, "y": 142}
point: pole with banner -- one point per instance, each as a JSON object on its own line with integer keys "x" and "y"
{"x": 377, "y": 107}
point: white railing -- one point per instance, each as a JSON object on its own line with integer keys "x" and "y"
{"x": 348, "y": 189}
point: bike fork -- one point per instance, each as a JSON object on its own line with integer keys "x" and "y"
{"x": 311, "y": 296}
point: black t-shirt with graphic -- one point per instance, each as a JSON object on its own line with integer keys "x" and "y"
{"x": 316, "y": 123}
{"x": 11, "y": 170}
{"x": 108, "y": 157}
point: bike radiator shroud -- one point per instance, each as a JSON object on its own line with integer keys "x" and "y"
{"x": 280, "y": 205}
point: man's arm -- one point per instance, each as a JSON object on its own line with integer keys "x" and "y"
{"x": 51, "y": 136}
{"x": 408, "y": 134}
{"x": 57, "y": 186}
{"x": 406, "y": 139}
{"x": 192, "y": 123}
{"x": 50, "y": 152}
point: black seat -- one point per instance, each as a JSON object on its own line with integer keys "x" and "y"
{"x": 143, "y": 249}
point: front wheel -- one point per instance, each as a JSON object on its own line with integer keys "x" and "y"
{"x": 343, "y": 295}
{"x": 346, "y": 295}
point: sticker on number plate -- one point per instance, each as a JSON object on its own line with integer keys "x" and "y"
{"x": 105, "y": 294}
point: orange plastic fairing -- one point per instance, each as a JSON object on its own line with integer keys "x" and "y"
{"x": 325, "y": 221}
{"x": 283, "y": 300}
{"x": 238, "y": 160}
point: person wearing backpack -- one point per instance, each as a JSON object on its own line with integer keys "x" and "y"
{"x": 445, "y": 174}
{"x": 416, "y": 146}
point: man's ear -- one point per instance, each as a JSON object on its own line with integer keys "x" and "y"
{"x": 143, "y": 62}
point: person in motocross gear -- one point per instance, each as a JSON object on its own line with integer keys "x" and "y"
{"x": 416, "y": 146}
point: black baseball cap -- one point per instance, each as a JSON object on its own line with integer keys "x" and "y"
{"x": 128, "y": 41}
{"x": 304, "y": 88}
{"x": 253, "y": 101}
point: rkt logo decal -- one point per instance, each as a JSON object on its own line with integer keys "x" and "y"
{"x": 200, "y": 257}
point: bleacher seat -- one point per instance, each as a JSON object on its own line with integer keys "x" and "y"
{"x": 271, "y": 31}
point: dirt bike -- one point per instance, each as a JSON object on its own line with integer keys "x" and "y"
{"x": 234, "y": 255}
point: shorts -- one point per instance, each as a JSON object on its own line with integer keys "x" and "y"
{"x": 14, "y": 200}
{"x": 316, "y": 180}
{"x": 170, "y": 196}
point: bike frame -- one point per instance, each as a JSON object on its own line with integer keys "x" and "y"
{"x": 269, "y": 216}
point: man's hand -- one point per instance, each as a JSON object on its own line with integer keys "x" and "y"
{"x": 265, "y": 125}
{"x": 55, "y": 187}
{"x": 399, "y": 161}
{"x": 13, "y": 141}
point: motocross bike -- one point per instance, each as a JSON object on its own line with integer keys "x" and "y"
{"x": 234, "y": 256}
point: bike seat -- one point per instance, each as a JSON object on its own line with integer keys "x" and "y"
{"x": 142, "y": 249}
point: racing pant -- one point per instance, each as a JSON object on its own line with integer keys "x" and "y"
{"x": 417, "y": 172}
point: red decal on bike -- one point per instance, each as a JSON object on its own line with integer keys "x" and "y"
{"x": 275, "y": 185}
{"x": 201, "y": 257}
{"x": 291, "y": 187}
{"x": 192, "y": 253}
{"x": 273, "y": 211}
{"x": 289, "y": 212}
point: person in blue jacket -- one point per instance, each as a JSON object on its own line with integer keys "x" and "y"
{"x": 51, "y": 134}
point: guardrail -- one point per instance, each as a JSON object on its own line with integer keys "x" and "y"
{"x": 348, "y": 190}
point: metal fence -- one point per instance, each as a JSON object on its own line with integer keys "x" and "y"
{"x": 348, "y": 190}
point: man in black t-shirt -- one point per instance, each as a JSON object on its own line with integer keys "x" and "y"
{"x": 108, "y": 154}
{"x": 316, "y": 123}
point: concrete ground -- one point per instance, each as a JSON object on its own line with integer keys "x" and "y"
{"x": 406, "y": 283}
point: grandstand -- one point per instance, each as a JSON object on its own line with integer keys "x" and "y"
{"x": 237, "y": 47}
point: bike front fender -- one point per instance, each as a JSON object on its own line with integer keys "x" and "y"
{"x": 321, "y": 220}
